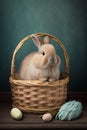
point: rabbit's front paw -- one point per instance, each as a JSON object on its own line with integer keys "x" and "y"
{"x": 43, "y": 79}
{"x": 51, "y": 79}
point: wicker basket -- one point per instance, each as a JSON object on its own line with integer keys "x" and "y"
{"x": 37, "y": 96}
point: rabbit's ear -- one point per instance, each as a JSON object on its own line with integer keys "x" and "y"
{"x": 36, "y": 40}
{"x": 59, "y": 60}
{"x": 46, "y": 40}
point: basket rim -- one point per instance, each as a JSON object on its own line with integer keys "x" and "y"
{"x": 38, "y": 83}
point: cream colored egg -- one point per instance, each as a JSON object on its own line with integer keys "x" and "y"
{"x": 47, "y": 117}
{"x": 16, "y": 113}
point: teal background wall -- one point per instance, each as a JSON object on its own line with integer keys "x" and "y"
{"x": 65, "y": 19}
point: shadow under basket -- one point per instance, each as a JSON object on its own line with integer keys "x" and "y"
{"x": 36, "y": 96}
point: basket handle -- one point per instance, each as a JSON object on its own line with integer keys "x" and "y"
{"x": 39, "y": 34}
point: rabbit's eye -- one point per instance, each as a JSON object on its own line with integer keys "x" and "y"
{"x": 43, "y": 53}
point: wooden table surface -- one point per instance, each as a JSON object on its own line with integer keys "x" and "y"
{"x": 34, "y": 121}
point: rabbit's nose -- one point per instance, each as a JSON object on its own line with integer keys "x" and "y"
{"x": 51, "y": 60}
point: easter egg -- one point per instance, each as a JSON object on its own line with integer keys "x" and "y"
{"x": 16, "y": 113}
{"x": 70, "y": 110}
{"x": 47, "y": 117}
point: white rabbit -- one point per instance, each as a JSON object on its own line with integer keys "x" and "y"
{"x": 42, "y": 65}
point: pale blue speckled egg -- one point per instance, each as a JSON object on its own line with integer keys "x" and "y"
{"x": 70, "y": 110}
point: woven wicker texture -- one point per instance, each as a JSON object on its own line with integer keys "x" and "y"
{"x": 37, "y": 96}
